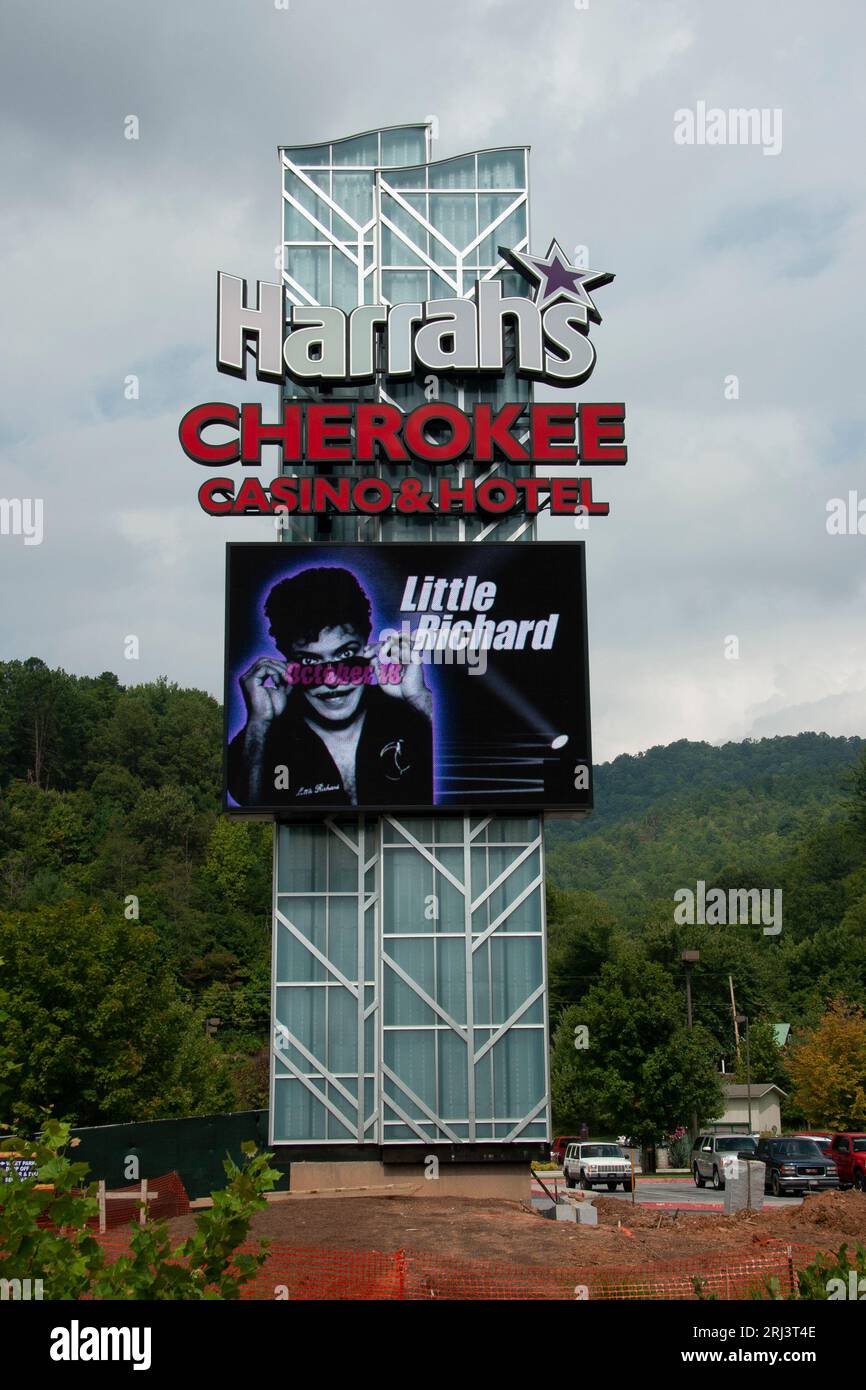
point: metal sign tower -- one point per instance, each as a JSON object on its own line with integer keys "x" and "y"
{"x": 409, "y": 972}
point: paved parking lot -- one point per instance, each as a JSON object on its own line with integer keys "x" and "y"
{"x": 667, "y": 1192}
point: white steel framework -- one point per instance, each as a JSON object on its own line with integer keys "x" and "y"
{"x": 409, "y": 967}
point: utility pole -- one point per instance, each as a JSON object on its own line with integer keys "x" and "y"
{"x": 690, "y": 958}
{"x": 734, "y": 1012}
{"x": 743, "y": 1018}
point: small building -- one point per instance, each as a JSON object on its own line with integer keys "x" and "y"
{"x": 766, "y": 1100}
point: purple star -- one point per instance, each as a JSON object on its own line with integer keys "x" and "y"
{"x": 560, "y": 277}
{"x": 555, "y": 278}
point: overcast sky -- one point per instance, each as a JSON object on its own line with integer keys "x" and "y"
{"x": 728, "y": 261}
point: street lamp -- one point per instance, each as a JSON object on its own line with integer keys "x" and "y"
{"x": 690, "y": 958}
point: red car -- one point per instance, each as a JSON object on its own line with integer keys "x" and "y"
{"x": 849, "y": 1152}
{"x": 823, "y": 1140}
{"x": 560, "y": 1144}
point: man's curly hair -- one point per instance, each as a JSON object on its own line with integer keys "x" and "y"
{"x": 299, "y": 608}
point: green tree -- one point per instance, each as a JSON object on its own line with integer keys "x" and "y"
{"x": 828, "y": 1068}
{"x": 94, "y": 1026}
{"x": 231, "y": 858}
{"x": 856, "y": 796}
{"x": 643, "y": 1071}
{"x": 164, "y": 818}
{"x": 766, "y": 1059}
{"x": 580, "y": 931}
{"x": 44, "y": 1233}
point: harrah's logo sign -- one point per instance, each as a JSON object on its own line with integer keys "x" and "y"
{"x": 443, "y": 336}
{"x": 543, "y": 338}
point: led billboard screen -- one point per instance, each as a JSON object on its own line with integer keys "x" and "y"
{"x": 413, "y": 677}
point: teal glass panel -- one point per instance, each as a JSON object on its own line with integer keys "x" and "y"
{"x": 450, "y": 900}
{"x": 343, "y": 935}
{"x": 294, "y": 960}
{"x": 302, "y": 862}
{"x": 313, "y": 154}
{"x": 453, "y": 214}
{"x": 453, "y": 173}
{"x": 419, "y": 827}
{"x": 403, "y": 146}
{"x": 453, "y": 1077}
{"x": 406, "y": 178}
{"x": 502, "y": 169}
{"x": 517, "y": 971}
{"x": 297, "y": 1113}
{"x": 408, "y": 879}
{"x": 481, "y": 991}
{"x": 527, "y": 916}
{"x": 342, "y": 864}
{"x": 297, "y": 227}
{"x": 310, "y": 266}
{"x": 483, "y": 1079}
{"x": 448, "y": 830}
{"x": 509, "y": 232}
{"x": 342, "y": 1010}
{"x": 416, "y": 958}
{"x": 401, "y": 1004}
{"x": 353, "y": 193}
{"x": 345, "y": 284}
{"x": 451, "y": 977}
{"x": 303, "y": 1013}
{"x": 518, "y": 1072}
{"x": 512, "y": 829}
{"x": 345, "y": 1107}
{"x": 410, "y": 1056}
{"x": 361, "y": 149}
{"x": 394, "y": 248}
{"x": 404, "y": 286}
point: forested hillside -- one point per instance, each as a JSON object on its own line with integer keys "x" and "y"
{"x": 130, "y": 910}
{"x": 783, "y": 814}
{"x": 132, "y": 913}
{"x": 672, "y": 815}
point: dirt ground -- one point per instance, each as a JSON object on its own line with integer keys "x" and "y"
{"x": 476, "y": 1230}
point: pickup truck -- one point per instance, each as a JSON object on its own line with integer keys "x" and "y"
{"x": 848, "y": 1151}
{"x": 796, "y": 1166}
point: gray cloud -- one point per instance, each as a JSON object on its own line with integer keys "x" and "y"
{"x": 727, "y": 262}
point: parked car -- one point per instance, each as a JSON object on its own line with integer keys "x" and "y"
{"x": 709, "y": 1152}
{"x": 824, "y": 1141}
{"x": 559, "y": 1146}
{"x": 591, "y": 1164}
{"x": 796, "y": 1165}
{"x": 848, "y": 1152}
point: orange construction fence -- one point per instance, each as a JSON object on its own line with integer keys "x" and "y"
{"x": 294, "y": 1273}
{"x": 164, "y": 1196}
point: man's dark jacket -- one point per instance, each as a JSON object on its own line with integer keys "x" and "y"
{"x": 394, "y": 762}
